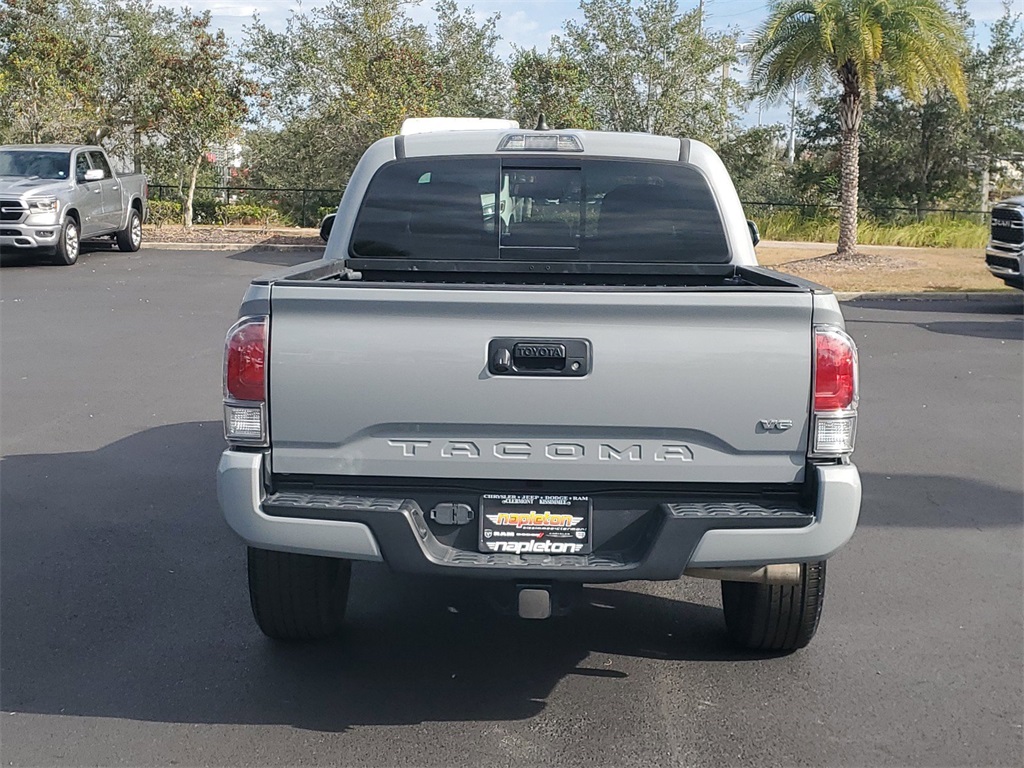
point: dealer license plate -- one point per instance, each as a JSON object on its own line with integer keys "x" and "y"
{"x": 541, "y": 524}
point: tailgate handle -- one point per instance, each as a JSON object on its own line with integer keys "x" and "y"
{"x": 538, "y": 357}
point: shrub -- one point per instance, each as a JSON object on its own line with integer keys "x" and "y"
{"x": 164, "y": 211}
{"x": 248, "y": 213}
{"x": 205, "y": 210}
{"x": 936, "y": 230}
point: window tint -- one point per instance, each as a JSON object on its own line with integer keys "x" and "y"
{"x": 99, "y": 161}
{"x": 429, "y": 209}
{"x": 527, "y": 209}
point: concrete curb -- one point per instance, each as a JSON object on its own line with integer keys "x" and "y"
{"x": 231, "y": 247}
{"x": 997, "y": 295}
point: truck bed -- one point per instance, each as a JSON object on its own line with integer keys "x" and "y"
{"x": 604, "y": 276}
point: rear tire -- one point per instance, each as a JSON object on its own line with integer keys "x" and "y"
{"x": 298, "y": 597}
{"x": 69, "y": 244}
{"x": 765, "y": 617}
{"x": 130, "y": 238}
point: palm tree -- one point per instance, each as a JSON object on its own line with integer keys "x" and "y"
{"x": 913, "y": 45}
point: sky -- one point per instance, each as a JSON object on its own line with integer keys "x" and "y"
{"x": 531, "y": 23}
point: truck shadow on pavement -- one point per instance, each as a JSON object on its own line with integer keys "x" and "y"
{"x": 25, "y": 258}
{"x": 124, "y": 596}
{"x": 1005, "y": 303}
{"x": 937, "y": 501}
{"x": 274, "y": 258}
{"x": 1007, "y": 330}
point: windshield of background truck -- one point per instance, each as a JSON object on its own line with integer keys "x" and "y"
{"x": 34, "y": 163}
{"x": 548, "y": 209}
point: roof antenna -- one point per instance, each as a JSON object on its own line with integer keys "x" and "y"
{"x": 541, "y": 124}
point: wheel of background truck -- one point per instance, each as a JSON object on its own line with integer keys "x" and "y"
{"x": 768, "y": 617}
{"x": 297, "y": 597}
{"x": 68, "y": 244}
{"x": 130, "y": 238}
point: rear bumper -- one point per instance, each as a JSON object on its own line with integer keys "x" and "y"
{"x": 670, "y": 538}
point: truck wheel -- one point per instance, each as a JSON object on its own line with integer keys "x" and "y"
{"x": 767, "y": 617}
{"x": 68, "y": 245}
{"x": 297, "y": 597}
{"x": 130, "y": 238}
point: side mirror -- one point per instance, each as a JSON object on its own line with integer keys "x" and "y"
{"x": 94, "y": 174}
{"x": 326, "y": 226}
{"x": 755, "y": 235}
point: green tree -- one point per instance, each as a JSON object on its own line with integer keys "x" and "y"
{"x": 920, "y": 153}
{"x": 551, "y": 84}
{"x": 932, "y": 154}
{"x": 206, "y": 95}
{"x": 995, "y": 84}
{"x": 137, "y": 44}
{"x": 471, "y": 80}
{"x": 49, "y": 71}
{"x": 344, "y": 75}
{"x": 649, "y": 67}
{"x": 915, "y": 44}
{"x": 337, "y": 79}
{"x": 756, "y": 161}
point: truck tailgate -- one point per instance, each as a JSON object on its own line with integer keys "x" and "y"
{"x": 684, "y": 386}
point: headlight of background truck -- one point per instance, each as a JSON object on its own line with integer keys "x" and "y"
{"x": 43, "y": 205}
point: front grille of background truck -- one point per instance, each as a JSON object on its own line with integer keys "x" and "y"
{"x": 1008, "y": 225}
{"x": 11, "y": 210}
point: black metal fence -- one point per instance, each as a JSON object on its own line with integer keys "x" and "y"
{"x": 295, "y": 206}
{"x": 883, "y": 213}
{"x": 304, "y": 207}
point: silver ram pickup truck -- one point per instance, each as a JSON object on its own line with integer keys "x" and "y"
{"x": 53, "y": 196}
{"x": 543, "y": 358}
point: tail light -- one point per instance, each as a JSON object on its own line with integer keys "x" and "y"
{"x": 835, "y": 393}
{"x": 245, "y": 382}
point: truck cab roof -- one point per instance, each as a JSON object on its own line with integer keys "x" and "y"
{"x": 643, "y": 146}
{"x": 51, "y": 147}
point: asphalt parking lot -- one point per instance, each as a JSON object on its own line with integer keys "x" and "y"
{"x": 126, "y": 638}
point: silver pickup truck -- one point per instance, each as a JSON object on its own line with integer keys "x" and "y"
{"x": 589, "y": 381}
{"x": 53, "y": 196}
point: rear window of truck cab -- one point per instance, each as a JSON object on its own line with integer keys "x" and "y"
{"x": 539, "y": 209}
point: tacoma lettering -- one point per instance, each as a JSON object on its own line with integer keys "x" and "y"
{"x": 607, "y": 452}
{"x": 520, "y": 450}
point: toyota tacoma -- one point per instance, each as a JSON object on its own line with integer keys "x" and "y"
{"x": 544, "y": 358}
